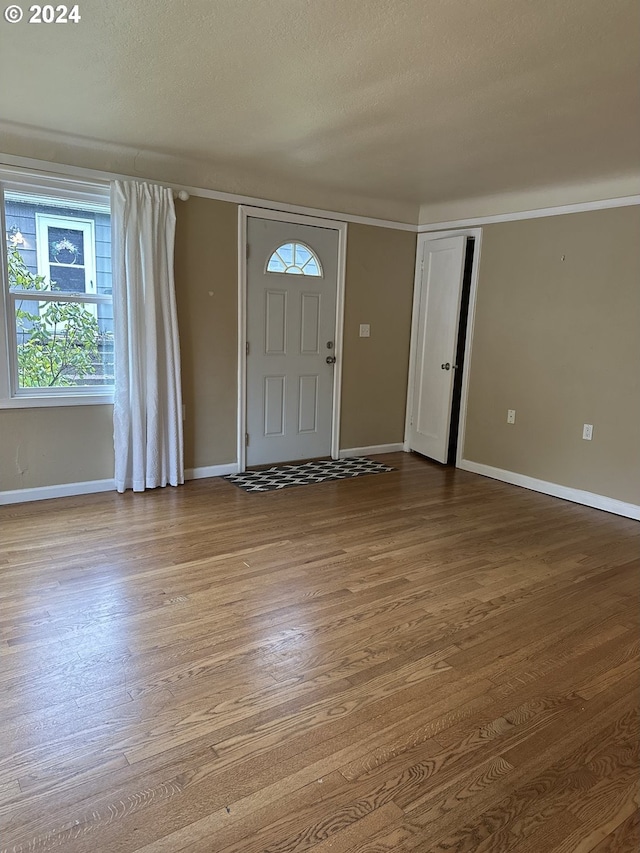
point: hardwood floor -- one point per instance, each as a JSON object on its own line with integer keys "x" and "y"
{"x": 424, "y": 660}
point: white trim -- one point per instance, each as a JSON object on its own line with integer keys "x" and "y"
{"x": 54, "y": 169}
{"x": 17, "y": 168}
{"x": 413, "y": 339}
{"x": 90, "y": 487}
{"x": 26, "y": 401}
{"x": 87, "y": 196}
{"x": 554, "y": 489}
{"x": 476, "y": 233}
{"x": 86, "y": 193}
{"x": 339, "y": 340}
{"x": 211, "y": 471}
{"x": 244, "y": 213}
{"x": 372, "y": 450}
{"x": 242, "y": 340}
{"x": 539, "y": 213}
{"x": 62, "y": 490}
{"x": 285, "y": 216}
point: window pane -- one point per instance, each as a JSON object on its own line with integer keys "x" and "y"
{"x": 275, "y": 264}
{"x": 294, "y": 259}
{"x": 41, "y": 234}
{"x": 66, "y": 246}
{"x": 63, "y": 344}
{"x": 302, "y": 254}
{"x": 68, "y": 279}
{"x": 103, "y": 254}
{"x": 286, "y": 253}
{"x": 60, "y": 244}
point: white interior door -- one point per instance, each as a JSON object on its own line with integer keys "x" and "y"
{"x": 291, "y": 322}
{"x": 435, "y": 334}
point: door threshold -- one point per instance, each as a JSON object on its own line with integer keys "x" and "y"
{"x": 263, "y": 466}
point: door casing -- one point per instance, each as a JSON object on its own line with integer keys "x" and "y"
{"x": 423, "y": 237}
{"x": 244, "y": 212}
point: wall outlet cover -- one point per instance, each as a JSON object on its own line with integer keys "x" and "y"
{"x": 365, "y": 330}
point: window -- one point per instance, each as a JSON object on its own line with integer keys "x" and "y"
{"x": 57, "y": 309}
{"x": 294, "y": 259}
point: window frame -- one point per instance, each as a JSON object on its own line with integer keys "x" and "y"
{"x": 92, "y": 196}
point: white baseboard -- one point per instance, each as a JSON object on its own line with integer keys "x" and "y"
{"x": 211, "y": 471}
{"x": 89, "y": 487}
{"x": 554, "y": 489}
{"x": 371, "y": 451}
{"x": 62, "y": 490}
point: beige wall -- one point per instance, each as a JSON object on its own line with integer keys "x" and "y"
{"x": 557, "y": 338}
{"x": 49, "y": 446}
{"x": 379, "y": 291}
{"x": 207, "y": 263}
{"x": 379, "y": 285}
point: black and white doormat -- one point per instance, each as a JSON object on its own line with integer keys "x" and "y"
{"x": 284, "y": 476}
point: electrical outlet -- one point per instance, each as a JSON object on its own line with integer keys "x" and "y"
{"x": 365, "y": 330}
{"x": 587, "y": 432}
{"x": 511, "y": 416}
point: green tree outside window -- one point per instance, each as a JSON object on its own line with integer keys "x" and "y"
{"x": 58, "y": 345}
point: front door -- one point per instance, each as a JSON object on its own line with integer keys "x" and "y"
{"x": 291, "y": 322}
{"x": 434, "y": 346}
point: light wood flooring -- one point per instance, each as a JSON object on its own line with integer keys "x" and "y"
{"x": 424, "y": 660}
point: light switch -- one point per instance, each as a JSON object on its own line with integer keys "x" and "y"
{"x": 365, "y": 330}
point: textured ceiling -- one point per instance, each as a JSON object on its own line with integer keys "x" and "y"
{"x": 406, "y": 101}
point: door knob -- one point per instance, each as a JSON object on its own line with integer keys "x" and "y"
{"x": 446, "y": 366}
{"x": 331, "y": 359}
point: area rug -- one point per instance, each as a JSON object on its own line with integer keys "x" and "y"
{"x": 285, "y": 476}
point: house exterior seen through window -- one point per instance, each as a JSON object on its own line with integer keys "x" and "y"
{"x": 58, "y": 308}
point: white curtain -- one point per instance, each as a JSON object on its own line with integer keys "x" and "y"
{"x": 147, "y": 411}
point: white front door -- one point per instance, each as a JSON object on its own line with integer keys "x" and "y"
{"x": 291, "y": 322}
{"x": 435, "y": 335}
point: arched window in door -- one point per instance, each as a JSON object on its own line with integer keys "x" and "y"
{"x": 295, "y": 259}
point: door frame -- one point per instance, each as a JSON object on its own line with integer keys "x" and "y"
{"x": 423, "y": 238}
{"x": 244, "y": 212}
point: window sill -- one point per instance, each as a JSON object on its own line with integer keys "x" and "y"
{"x": 52, "y": 400}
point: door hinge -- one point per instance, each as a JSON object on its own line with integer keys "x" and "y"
{"x": 246, "y": 439}
{"x": 246, "y": 348}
